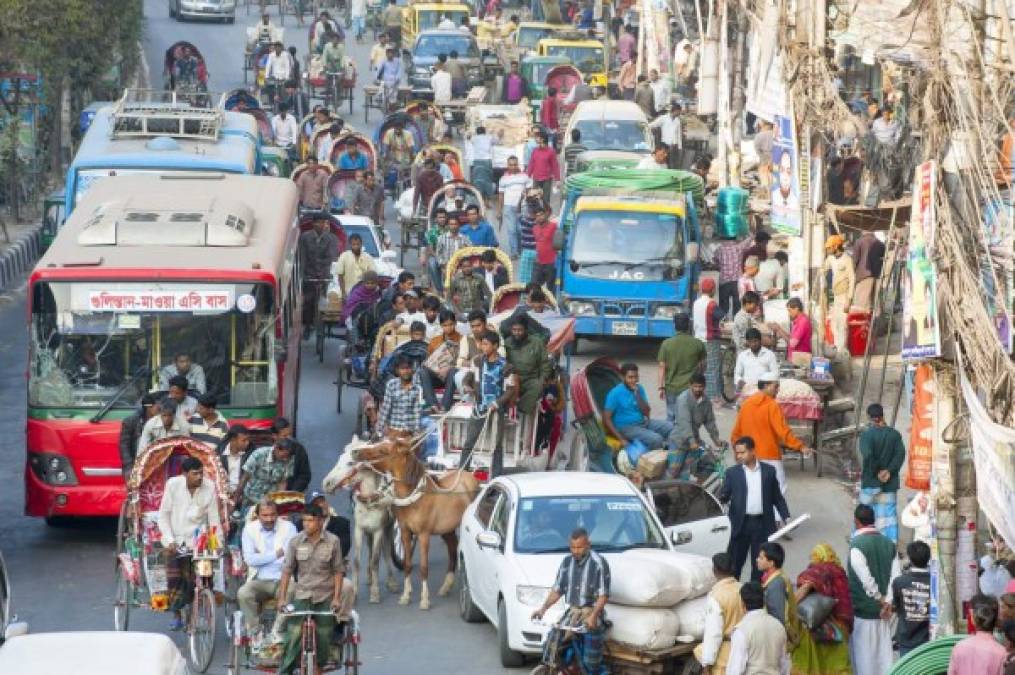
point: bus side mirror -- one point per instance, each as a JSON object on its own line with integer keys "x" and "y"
{"x": 692, "y": 251}
{"x": 280, "y": 352}
{"x": 573, "y": 264}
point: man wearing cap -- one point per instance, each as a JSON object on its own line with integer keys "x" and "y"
{"x": 843, "y": 286}
{"x": 705, "y": 315}
{"x": 882, "y": 454}
{"x": 761, "y": 418}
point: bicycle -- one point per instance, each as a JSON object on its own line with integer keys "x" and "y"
{"x": 571, "y": 653}
{"x": 201, "y": 617}
{"x": 347, "y": 658}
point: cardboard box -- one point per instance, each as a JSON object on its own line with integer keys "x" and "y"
{"x": 652, "y": 464}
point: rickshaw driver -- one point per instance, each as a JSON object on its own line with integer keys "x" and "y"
{"x": 188, "y": 503}
{"x": 314, "y": 559}
{"x": 186, "y": 68}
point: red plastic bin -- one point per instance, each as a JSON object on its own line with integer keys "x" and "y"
{"x": 858, "y": 324}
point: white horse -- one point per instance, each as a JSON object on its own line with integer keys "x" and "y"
{"x": 371, "y": 517}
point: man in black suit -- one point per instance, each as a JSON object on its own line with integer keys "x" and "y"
{"x": 494, "y": 273}
{"x": 752, "y": 490}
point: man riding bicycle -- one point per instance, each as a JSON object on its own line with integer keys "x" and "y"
{"x": 313, "y": 562}
{"x": 583, "y": 580}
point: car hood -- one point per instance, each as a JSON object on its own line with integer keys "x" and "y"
{"x": 427, "y": 61}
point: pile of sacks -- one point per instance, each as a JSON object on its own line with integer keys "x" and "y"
{"x": 657, "y": 596}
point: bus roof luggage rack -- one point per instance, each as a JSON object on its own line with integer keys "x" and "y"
{"x": 144, "y": 113}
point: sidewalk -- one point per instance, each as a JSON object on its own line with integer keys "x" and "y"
{"x": 18, "y": 256}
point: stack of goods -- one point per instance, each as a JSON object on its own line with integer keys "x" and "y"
{"x": 333, "y": 302}
{"x": 649, "y": 589}
{"x": 509, "y": 124}
{"x": 731, "y": 208}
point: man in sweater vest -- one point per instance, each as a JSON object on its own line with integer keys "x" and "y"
{"x": 705, "y": 314}
{"x": 871, "y": 568}
{"x": 722, "y": 613}
{"x": 758, "y": 643}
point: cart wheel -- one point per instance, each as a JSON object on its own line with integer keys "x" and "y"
{"x": 121, "y": 528}
{"x": 728, "y": 365}
{"x": 236, "y": 656}
{"x": 230, "y": 604}
{"x": 202, "y": 630}
{"x": 340, "y": 378}
{"x": 121, "y": 600}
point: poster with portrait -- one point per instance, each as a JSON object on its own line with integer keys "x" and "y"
{"x": 996, "y": 270}
{"x": 786, "y": 203}
{"x": 921, "y": 335}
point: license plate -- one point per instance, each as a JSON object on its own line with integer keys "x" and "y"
{"x": 624, "y": 328}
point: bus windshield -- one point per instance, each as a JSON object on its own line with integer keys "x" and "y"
{"x": 97, "y": 342}
{"x": 628, "y": 245}
{"x": 589, "y": 60}
{"x": 600, "y": 134}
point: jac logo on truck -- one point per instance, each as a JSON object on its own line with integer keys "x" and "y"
{"x": 627, "y": 275}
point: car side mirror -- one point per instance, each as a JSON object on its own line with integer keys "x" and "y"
{"x": 680, "y": 537}
{"x": 280, "y": 352}
{"x": 573, "y": 264}
{"x": 488, "y": 539}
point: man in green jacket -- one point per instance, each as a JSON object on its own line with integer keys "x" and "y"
{"x": 883, "y": 453}
{"x": 526, "y": 354}
{"x": 871, "y": 566}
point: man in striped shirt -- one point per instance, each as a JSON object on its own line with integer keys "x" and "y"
{"x": 207, "y": 424}
{"x": 583, "y": 580}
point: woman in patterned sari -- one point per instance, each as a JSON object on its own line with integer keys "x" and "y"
{"x": 825, "y": 649}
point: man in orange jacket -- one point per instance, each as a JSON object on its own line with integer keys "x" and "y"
{"x": 761, "y": 418}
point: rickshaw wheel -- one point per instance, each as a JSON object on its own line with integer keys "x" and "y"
{"x": 230, "y": 605}
{"x": 202, "y": 630}
{"x": 340, "y": 378}
{"x": 319, "y": 334}
{"x": 121, "y": 601}
{"x": 121, "y": 528}
{"x": 727, "y": 368}
{"x": 236, "y": 658}
{"x": 350, "y": 656}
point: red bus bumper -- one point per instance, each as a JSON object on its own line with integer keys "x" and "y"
{"x": 44, "y": 501}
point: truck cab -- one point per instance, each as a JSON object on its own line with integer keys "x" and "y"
{"x": 630, "y": 261}
{"x": 586, "y": 55}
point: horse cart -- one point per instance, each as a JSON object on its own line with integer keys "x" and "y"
{"x": 192, "y": 579}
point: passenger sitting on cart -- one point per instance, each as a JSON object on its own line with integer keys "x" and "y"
{"x": 352, "y": 159}
{"x": 535, "y": 303}
{"x": 468, "y": 289}
{"x": 494, "y": 274}
{"x": 268, "y": 469}
{"x": 406, "y": 281}
{"x": 442, "y": 352}
{"x": 432, "y": 308}
{"x": 324, "y": 28}
{"x": 360, "y": 298}
{"x": 448, "y": 243}
{"x": 415, "y": 350}
{"x": 189, "y": 503}
{"x": 263, "y": 542}
{"x": 313, "y": 562}
{"x": 496, "y": 390}
{"x": 402, "y": 407}
{"x": 266, "y": 30}
{"x": 626, "y": 414}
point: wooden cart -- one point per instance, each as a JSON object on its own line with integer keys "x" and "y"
{"x": 627, "y": 660}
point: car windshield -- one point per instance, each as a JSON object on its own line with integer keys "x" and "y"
{"x": 600, "y": 134}
{"x": 429, "y": 20}
{"x": 369, "y": 241}
{"x": 96, "y": 342}
{"x": 529, "y": 36}
{"x": 432, "y": 46}
{"x": 589, "y": 60}
{"x": 614, "y": 523}
{"x": 627, "y": 245}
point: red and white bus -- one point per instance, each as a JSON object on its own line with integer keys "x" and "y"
{"x": 145, "y": 269}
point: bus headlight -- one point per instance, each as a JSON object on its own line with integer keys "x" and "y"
{"x": 52, "y": 469}
{"x": 667, "y": 311}
{"x": 580, "y": 308}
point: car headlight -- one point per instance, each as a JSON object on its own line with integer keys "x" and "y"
{"x": 667, "y": 311}
{"x": 580, "y": 308}
{"x": 533, "y": 596}
{"x": 52, "y": 469}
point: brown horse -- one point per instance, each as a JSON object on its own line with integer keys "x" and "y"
{"x": 424, "y": 505}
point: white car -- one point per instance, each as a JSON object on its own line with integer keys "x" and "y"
{"x": 376, "y": 242}
{"x": 92, "y": 653}
{"x": 516, "y": 532}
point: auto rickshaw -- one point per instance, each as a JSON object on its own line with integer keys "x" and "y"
{"x": 535, "y": 69}
{"x": 426, "y": 16}
{"x": 588, "y": 56}
{"x": 52, "y": 217}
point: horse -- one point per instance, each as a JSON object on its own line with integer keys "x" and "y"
{"x": 372, "y": 519}
{"x": 424, "y": 505}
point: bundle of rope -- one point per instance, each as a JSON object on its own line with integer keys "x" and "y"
{"x": 927, "y": 659}
{"x": 640, "y": 180}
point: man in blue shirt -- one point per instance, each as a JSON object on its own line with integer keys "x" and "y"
{"x": 627, "y": 414}
{"x": 478, "y": 230}
{"x": 352, "y": 159}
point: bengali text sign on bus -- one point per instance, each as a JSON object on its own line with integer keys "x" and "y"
{"x": 161, "y": 300}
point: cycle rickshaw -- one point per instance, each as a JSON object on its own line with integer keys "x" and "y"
{"x": 142, "y": 570}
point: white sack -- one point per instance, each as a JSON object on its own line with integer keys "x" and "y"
{"x": 691, "y": 614}
{"x": 644, "y": 627}
{"x": 658, "y": 578}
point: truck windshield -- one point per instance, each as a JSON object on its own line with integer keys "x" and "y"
{"x": 589, "y": 60}
{"x": 628, "y": 245}
{"x": 429, "y": 20}
{"x": 614, "y": 523}
{"x": 599, "y": 134}
{"x": 92, "y": 342}
{"x": 529, "y": 36}
{"x": 432, "y": 46}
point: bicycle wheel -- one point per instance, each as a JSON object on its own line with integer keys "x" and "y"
{"x": 121, "y": 600}
{"x": 202, "y": 630}
{"x": 230, "y": 604}
{"x": 308, "y": 654}
{"x": 350, "y": 655}
{"x": 727, "y": 366}
{"x": 340, "y": 378}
